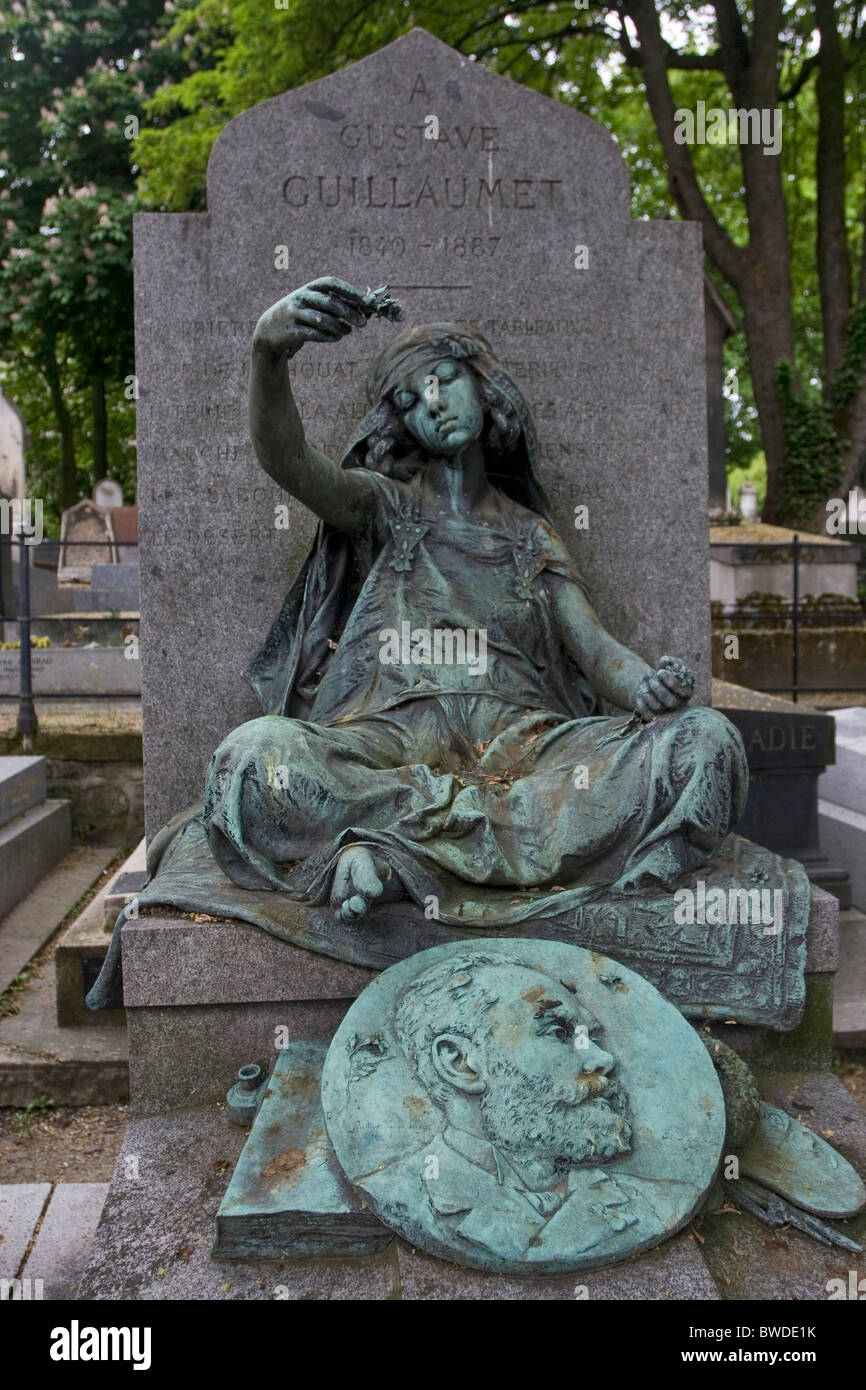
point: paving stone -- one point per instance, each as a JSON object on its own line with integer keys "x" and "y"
{"x": 21, "y": 1205}
{"x": 61, "y": 1248}
{"x": 535, "y": 177}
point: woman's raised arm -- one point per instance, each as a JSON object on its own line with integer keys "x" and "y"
{"x": 321, "y": 312}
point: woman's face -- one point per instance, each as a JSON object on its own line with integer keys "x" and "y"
{"x": 441, "y": 407}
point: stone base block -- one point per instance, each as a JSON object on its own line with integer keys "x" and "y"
{"x": 157, "y": 1229}
{"x": 843, "y": 835}
{"x": 204, "y": 998}
{"x": 750, "y": 1261}
{"x": 77, "y": 670}
{"x": 845, "y": 782}
{"x": 77, "y": 961}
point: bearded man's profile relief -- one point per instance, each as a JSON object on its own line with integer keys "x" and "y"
{"x": 533, "y": 1116}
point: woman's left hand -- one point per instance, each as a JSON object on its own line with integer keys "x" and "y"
{"x": 668, "y": 688}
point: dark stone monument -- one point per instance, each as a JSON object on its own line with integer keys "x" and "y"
{"x": 788, "y": 747}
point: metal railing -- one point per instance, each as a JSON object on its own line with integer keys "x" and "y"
{"x": 27, "y": 723}
{"x": 798, "y": 618}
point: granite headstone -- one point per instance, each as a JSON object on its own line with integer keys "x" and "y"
{"x": 85, "y": 522}
{"x": 515, "y": 217}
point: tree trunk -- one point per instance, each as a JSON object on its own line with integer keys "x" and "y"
{"x": 100, "y": 429}
{"x": 769, "y": 341}
{"x": 68, "y": 467}
{"x": 834, "y": 271}
{"x": 760, "y": 272}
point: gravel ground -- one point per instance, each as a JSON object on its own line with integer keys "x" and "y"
{"x": 66, "y": 1144}
{"x": 850, "y": 1067}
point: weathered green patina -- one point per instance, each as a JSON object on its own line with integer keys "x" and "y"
{"x": 523, "y": 1106}
{"x": 443, "y": 1045}
{"x": 432, "y": 688}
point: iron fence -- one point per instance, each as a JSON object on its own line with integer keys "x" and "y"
{"x": 812, "y": 618}
{"x": 27, "y": 722}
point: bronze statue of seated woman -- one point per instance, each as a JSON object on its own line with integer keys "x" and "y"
{"x": 432, "y": 684}
{"x": 432, "y": 692}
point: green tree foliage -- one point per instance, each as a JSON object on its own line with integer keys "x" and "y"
{"x": 773, "y": 235}
{"x": 73, "y": 76}
{"x": 784, "y": 237}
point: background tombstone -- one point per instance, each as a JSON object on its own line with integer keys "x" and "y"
{"x": 13, "y": 444}
{"x": 7, "y": 588}
{"x": 85, "y": 522}
{"x": 108, "y": 493}
{"x": 516, "y": 218}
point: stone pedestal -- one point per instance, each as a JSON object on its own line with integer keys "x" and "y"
{"x": 788, "y": 748}
{"x": 174, "y": 1169}
{"x": 204, "y": 998}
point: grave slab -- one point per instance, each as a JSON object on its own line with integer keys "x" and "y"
{"x": 21, "y": 1205}
{"x": 33, "y": 920}
{"x": 86, "y": 539}
{"x": 59, "y": 1254}
{"x": 22, "y": 785}
{"x": 30, "y": 845}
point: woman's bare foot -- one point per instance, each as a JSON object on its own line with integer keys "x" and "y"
{"x": 362, "y": 878}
